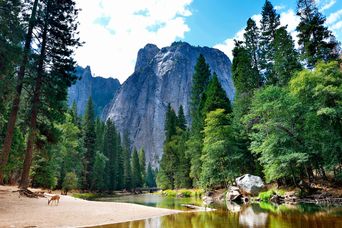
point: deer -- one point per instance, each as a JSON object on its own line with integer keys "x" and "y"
{"x": 55, "y": 199}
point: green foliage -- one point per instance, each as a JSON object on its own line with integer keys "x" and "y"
{"x": 150, "y": 177}
{"x": 252, "y": 38}
{"x": 215, "y": 97}
{"x": 136, "y": 170}
{"x": 315, "y": 40}
{"x": 218, "y": 157}
{"x": 70, "y": 182}
{"x": 142, "y": 162}
{"x": 286, "y": 59}
{"x": 98, "y": 172}
{"x": 266, "y": 196}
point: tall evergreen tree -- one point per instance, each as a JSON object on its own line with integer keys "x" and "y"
{"x": 89, "y": 140}
{"x": 315, "y": 40}
{"x": 215, "y": 97}
{"x": 286, "y": 59}
{"x": 252, "y": 38}
{"x": 6, "y": 147}
{"x": 109, "y": 150}
{"x": 269, "y": 24}
{"x": 194, "y": 145}
{"x": 136, "y": 170}
{"x": 150, "y": 178}
{"x": 127, "y": 161}
{"x": 142, "y": 162}
{"x": 170, "y": 122}
{"x": 54, "y": 72}
{"x": 181, "y": 121}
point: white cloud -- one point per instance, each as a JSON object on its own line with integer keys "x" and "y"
{"x": 114, "y": 31}
{"x": 327, "y": 5}
{"x": 228, "y": 45}
{"x": 337, "y": 26}
{"x": 334, "y": 17}
{"x": 279, "y": 7}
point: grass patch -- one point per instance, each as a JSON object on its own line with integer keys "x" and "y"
{"x": 186, "y": 193}
{"x": 85, "y": 196}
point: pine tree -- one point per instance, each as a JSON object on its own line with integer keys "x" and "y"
{"x": 136, "y": 170}
{"x": 170, "y": 122}
{"x": 120, "y": 164}
{"x": 246, "y": 78}
{"x": 194, "y": 145}
{"x": 269, "y": 24}
{"x": 6, "y": 147}
{"x": 54, "y": 72}
{"x": 127, "y": 161}
{"x": 286, "y": 59}
{"x": 109, "y": 150}
{"x": 315, "y": 40}
{"x": 98, "y": 172}
{"x": 142, "y": 162}
{"x": 252, "y": 38}
{"x": 215, "y": 97}
{"x": 181, "y": 121}
{"x": 89, "y": 140}
{"x": 150, "y": 178}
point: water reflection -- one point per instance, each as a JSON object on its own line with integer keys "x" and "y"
{"x": 234, "y": 215}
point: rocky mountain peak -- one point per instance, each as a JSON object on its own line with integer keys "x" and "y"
{"x": 145, "y": 55}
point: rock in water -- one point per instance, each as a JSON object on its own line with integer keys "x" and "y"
{"x": 250, "y": 184}
{"x": 233, "y": 193}
{"x": 102, "y": 90}
{"x": 161, "y": 76}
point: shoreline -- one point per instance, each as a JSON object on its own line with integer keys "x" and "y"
{"x": 18, "y": 211}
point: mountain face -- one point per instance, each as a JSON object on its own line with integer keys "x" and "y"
{"x": 161, "y": 76}
{"x": 102, "y": 91}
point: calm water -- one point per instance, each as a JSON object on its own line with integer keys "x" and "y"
{"x": 231, "y": 215}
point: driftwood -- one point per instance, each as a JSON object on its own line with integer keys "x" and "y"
{"x": 30, "y": 194}
{"x": 191, "y": 206}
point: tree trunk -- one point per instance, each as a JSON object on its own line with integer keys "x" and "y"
{"x": 6, "y": 148}
{"x": 24, "y": 183}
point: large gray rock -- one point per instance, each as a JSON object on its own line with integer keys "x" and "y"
{"x": 161, "y": 76}
{"x": 102, "y": 90}
{"x": 249, "y": 184}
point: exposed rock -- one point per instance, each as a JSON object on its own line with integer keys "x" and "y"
{"x": 233, "y": 207}
{"x": 233, "y": 194}
{"x": 290, "y": 197}
{"x": 207, "y": 200}
{"x": 161, "y": 77}
{"x": 249, "y": 184}
{"x": 249, "y": 218}
{"x": 102, "y": 90}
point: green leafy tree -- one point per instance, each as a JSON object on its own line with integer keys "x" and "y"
{"x": 252, "y": 38}
{"x": 170, "y": 122}
{"x": 181, "y": 121}
{"x": 218, "y": 153}
{"x": 315, "y": 40}
{"x": 70, "y": 182}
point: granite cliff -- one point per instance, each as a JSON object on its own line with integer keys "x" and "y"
{"x": 102, "y": 90}
{"x": 161, "y": 76}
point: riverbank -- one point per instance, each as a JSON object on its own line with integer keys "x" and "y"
{"x": 18, "y": 211}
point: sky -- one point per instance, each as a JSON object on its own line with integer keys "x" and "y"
{"x": 115, "y": 30}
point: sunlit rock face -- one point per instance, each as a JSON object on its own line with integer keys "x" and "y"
{"x": 102, "y": 90}
{"x": 161, "y": 76}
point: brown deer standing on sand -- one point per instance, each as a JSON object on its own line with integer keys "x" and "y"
{"x": 54, "y": 198}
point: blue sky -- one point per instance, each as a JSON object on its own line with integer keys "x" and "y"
{"x": 114, "y": 31}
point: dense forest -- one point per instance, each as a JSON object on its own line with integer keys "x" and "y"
{"x": 43, "y": 143}
{"x": 285, "y": 122}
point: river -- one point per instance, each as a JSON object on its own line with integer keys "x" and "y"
{"x": 231, "y": 215}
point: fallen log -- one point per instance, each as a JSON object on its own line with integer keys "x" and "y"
{"x": 30, "y": 194}
{"x": 191, "y": 206}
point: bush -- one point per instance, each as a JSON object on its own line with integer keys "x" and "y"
{"x": 266, "y": 196}
{"x": 69, "y": 182}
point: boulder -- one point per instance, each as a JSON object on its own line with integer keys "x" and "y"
{"x": 207, "y": 200}
{"x": 233, "y": 194}
{"x": 249, "y": 184}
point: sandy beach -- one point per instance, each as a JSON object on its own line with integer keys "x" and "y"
{"x": 18, "y": 211}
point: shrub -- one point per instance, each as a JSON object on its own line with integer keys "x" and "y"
{"x": 266, "y": 196}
